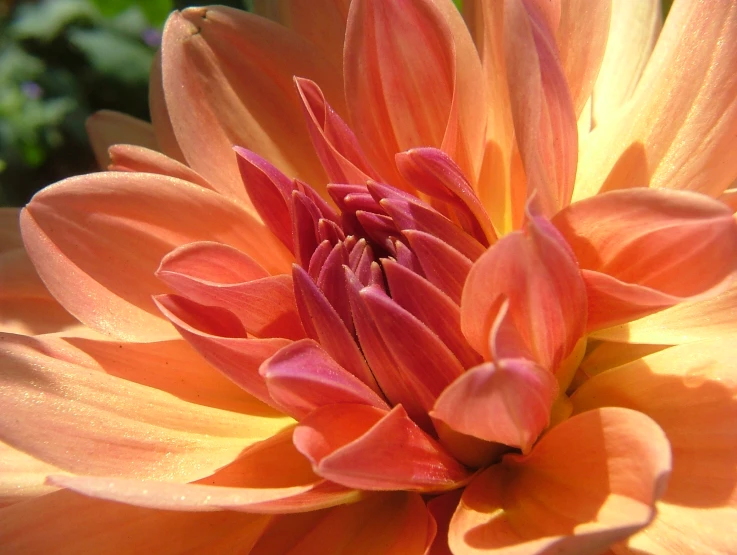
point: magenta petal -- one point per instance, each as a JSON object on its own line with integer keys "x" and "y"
{"x": 507, "y": 402}
{"x": 303, "y": 377}
{"x": 367, "y": 448}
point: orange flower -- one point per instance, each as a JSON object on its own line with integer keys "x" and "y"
{"x": 459, "y": 291}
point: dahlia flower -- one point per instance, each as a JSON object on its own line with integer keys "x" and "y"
{"x": 383, "y": 277}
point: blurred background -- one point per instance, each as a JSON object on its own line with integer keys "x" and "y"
{"x": 60, "y": 61}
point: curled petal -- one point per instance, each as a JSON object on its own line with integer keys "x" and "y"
{"x": 368, "y": 448}
{"x": 591, "y": 481}
{"x": 507, "y": 402}
{"x": 646, "y": 249}
{"x": 303, "y": 377}
{"x": 130, "y": 158}
{"x": 536, "y": 272}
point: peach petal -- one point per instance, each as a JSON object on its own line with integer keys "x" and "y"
{"x": 74, "y": 231}
{"x": 215, "y": 262}
{"x": 74, "y": 418}
{"x": 507, "y": 402}
{"x": 368, "y": 448}
{"x": 436, "y": 106}
{"x": 22, "y": 476}
{"x": 677, "y": 130}
{"x": 391, "y": 523}
{"x": 220, "y": 63}
{"x": 442, "y": 508}
{"x": 542, "y": 108}
{"x": 647, "y": 249}
{"x": 590, "y": 481}
{"x": 336, "y": 145}
{"x": 160, "y": 114}
{"x": 303, "y": 377}
{"x": 689, "y": 390}
{"x": 582, "y": 36}
{"x": 216, "y": 335}
{"x": 633, "y": 31}
{"x": 107, "y": 128}
{"x": 533, "y": 269}
{"x": 687, "y": 322}
{"x": 67, "y": 523}
{"x": 133, "y": 158}
{"x": 265, "y": 305}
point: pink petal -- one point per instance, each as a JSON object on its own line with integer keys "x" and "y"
{"x": 652, "y": 248}
{"x": 303, "y": 377}
{"x": 412, "y": 79}
{"x": 107, "y": 128}
{"x": 367, "y": 448}
{"x": 542, "y": 109}
{"x": 88, "y": 422}
{"x": 74, "y": 231}
{"x": 535, "y": 271}
{"x": 507, "y": 402}
{"x": 590, "y": 481}
{"x": 234, "y": 70}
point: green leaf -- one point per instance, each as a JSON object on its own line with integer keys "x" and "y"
{"x": 156, "y": 11}
{"x": 46, "y": 20}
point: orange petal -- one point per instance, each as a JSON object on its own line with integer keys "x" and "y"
{"x": 392, "y": 523}
{"x": 709, "y": 318}
{"x": 645, "y": 249}
{"x": 107, "y": 128}
{"x": 442, "y": 508}
{"x": 220, "y": 338}
{"x": 413, "y": 78}
{"x": 534, "y": 269}
{"x": 265, "y": 305}
{"x": 22, "y": 477}
{"x": 372, "y": 449}
{"x": 590, "y": 481}
{"x": 270, "y": 477}
{"x": 508, "y": 402}
{"x": 89, "y": 422}
{"x": 68, "y": 523}
{"x": 689, "y": 390}
{"x": 303, "y": 377}
{"x": 582, "y": 35}
{"x": 132, "y": 158}
{"x": 234, "y": 70}
{"x": 678, "y": 129}
{"x": 542, "y": 109}
{"x": 633, "y": 31}
{"x": 159, "y": 113}
{"x": 75, "y": 230}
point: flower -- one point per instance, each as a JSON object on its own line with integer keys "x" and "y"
{"x": 445, "y": 326}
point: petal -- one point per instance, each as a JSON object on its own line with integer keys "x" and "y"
{"x": 139, "y": 159}
{"x": 210, "y": 331}
{"x": 582, "y": 36}
{"x": 265, "y": 305}
{"x": 589, "y": 482}
{"x": 412, "y": 78}
{"x": 303, "y": 377}
{"x": 368, "y": 448}
{"x": 535, "y": 271}
{"x": 89, "y": 422}
{"x": 709, "y": 318}
{"x": 270, "y": 477}
{"x": 160, "y": 114}
{"x": 633, "y": 31}
{"x": 442, "y": 508}
{"x": 542, "y": 108}
{"x": 689, "y": 390}
{"x": 107, "y": 128}
{"x": 678, "y": 129}
{"x": 220, "y": 64}
{"x": 22, "y": 477}
{"x": 392, "y": 523}
{"x": 508, "y": 402}
{"x": 650, "y": 248}
{"x": 97, "y": 240}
